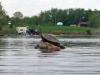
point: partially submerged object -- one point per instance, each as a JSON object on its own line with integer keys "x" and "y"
{"x": 50, "y": 39}
{"x": 46, "y": 47}
{"x": 49, "y": 43}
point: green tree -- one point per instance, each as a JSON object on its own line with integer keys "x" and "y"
{"x": 17, "y": 18}
{"x": 3, "y": 17}
{"x": 94, "y": 19}
{"x": 18, "y": 14}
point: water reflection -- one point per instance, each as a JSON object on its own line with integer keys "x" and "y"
{"x": 18, "y": 57}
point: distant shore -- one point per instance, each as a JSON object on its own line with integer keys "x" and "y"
{"x": 57, "y": 35}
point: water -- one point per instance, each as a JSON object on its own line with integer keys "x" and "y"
{"x": 18, "y": 57}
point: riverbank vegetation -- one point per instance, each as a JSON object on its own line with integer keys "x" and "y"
{"x": 65, "y": 29}
{"x": 46, "y": 21}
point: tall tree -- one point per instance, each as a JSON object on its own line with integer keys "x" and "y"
{"x": 18, "y": 14}
{"x": 3, "y": 17}
{"x": 94, "y": 19}
{"x": 18, "y": 18}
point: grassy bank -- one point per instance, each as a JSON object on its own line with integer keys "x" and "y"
{"x": 53, "y": 29}
{"x": 65, "y": 29}
{"x": 6, "y": 30}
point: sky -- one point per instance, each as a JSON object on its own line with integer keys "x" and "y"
{"x": 34, "y": 7}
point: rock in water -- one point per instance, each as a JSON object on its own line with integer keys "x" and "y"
{"x": 49, "y": 43}
{"x": 50, "y": 39}
{"x": 47, "y": 47}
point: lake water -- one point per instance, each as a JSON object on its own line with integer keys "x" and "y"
{"x": 18, "y": 57}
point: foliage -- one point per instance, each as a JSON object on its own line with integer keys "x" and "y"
{"x": 18, "y": 15}
{"x": 67, "y": 16}
{"x": 63, "y": 29}
{"x": 94, "y": 19}
{"x": 47, "y": 20}
{"x": 3, "y": 17}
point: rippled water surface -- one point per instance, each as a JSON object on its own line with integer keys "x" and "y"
{"x": 18, "y": 57}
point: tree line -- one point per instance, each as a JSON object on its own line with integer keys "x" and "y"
{"x": 69, "y": 17}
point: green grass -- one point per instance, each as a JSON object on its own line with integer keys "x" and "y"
{"x": 7, "y": 30}
{"x": 52, "y": 29}
{"x": 64, "y": 29}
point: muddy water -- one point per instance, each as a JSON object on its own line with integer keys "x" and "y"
{"x": 18, "y": 57}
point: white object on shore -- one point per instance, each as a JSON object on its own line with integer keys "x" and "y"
{"x": 21, "y": 29}
{"x": 59, "y": 23}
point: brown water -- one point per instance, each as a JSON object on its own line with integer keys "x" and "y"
{"x": 18, "y": 57}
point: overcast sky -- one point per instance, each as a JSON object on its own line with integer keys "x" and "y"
{"x": 34, "y": 7}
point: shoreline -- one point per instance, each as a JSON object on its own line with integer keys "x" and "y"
{"x": 69, "y": 35}
{"x": 58, "y": 36}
